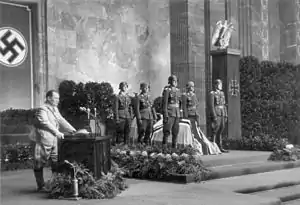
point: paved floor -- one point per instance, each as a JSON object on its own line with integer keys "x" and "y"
{"x": 18, "y": 188}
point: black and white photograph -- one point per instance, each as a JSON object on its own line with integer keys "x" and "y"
{"x": 155, "y": 102}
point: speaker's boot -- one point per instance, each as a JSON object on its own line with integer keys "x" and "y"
{"x": 39, "y": 178}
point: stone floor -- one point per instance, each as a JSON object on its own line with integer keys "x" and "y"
{"x": 18, "y": 188}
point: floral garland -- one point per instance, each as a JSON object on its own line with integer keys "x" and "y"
{"x": 149, "y": 163}
{"x": 289, "y": 153}
{"x": 108, "y": 186}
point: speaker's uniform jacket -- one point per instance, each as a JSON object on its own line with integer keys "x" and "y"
{"x": 47, "y": 122}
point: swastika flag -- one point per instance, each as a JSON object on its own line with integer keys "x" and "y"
{"x": 15, "y": 56}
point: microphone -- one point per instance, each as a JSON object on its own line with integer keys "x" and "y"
{"x": 68, "y": 163}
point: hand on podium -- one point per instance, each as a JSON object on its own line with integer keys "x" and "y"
{"x": 81, "y": 132}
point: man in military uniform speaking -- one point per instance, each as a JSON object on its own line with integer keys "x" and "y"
{"x": 47, "y": 122}
{"x": 218, "y": 113}
{"x": 171, "y": 111}
{"x": 145, "y": 114}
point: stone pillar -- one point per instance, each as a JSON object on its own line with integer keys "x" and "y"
{"x": 244, "y": 29}
{"x": 40, "y": 71}
{"x": 288, "y": 10}
{"x": 188, "y": 48}
{"x": 265, "y": 29}
{"x": 231, "y": 14}
{"x": 225, "y": 66}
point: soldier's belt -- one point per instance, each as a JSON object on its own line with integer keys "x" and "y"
{"x": 220, "y": 106}
{"x": 193, "y": 107}
{"x": 173, "y": 105}
{"x": 144, "y": 109}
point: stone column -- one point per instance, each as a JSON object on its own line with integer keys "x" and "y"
{"x": 244, "y": 21}
{"x": 288, "y": 10}
{"x": 187, "y": 41}
{"x": 40, "y": 71}
{"x": 231, "y": 14}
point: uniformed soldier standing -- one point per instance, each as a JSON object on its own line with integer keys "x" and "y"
{"x": 218, "y": 113}
{"x": 145, "y": 114}
{"x": 190, "y": 111}
{"x": 171, "y": 111}
{"x": 123, "y": 113}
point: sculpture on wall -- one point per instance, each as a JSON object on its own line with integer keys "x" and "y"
{"x": 222, "y": 34}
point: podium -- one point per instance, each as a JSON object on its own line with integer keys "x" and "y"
{"x": 93, "y": 152}
{"x": 225, "y": 66}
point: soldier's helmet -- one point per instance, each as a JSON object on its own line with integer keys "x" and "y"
{"x": 172, "y": 78}
{"x": 122, "y": 85}
{"x": 190, "y": 84}
{"x": 217, "y": 82}
{"x": 144, "y": 85}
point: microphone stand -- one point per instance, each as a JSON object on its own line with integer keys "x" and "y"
{"x": 75, "y": 194}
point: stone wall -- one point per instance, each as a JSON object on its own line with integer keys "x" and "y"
{"x": 110, "y": 40}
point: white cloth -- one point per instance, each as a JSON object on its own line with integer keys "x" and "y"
{"x": 185, "y": 136}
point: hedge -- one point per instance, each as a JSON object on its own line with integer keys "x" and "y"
{"x": 269, "y": 98}
{"x": 91, "y": 94}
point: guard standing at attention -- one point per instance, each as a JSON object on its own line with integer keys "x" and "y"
{"x": 123, "y": 113}
{"x": 171, "y": 111}
{"x": 218, "y": 113}
{"x": 145, "y": 114}
{"x": 190, "y": 111}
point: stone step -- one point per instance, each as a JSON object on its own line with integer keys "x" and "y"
{"x": 255, "y": 167}
{"x": 294, "y": 202}
{"x": 285, "y": 194}
{"x": 235, "y": 157}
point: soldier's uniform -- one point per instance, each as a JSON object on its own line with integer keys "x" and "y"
{"x": 123, "y": 116}
{"x": 218, "y": 113}
{"x": 189, "y": 106}
{"x": 145, "y": 115}
{"x": 171, "y": 112}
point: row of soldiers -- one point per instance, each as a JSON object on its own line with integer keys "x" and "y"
{"x": 174, "y": 106}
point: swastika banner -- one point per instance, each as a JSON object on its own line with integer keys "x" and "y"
{"x": 15, "y": 56}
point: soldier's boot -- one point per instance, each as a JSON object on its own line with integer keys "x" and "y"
{"x": 140, "y": 139}
{"x": 213, "y": 139}
{"x": 147, "y": 142}
{"x": 39, "y": 178}
{"x": 174, "y": 142}
{"x": 221, "y": 148}
{"x": 126, "y": 139}
{"x": 174, "y": 145}
{"x": 164, "y": 143}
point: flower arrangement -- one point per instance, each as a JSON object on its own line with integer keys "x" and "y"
{"x": 108, "y": 186}
{"x": 289, "y": 153}
{"x": 153, "y": 163}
